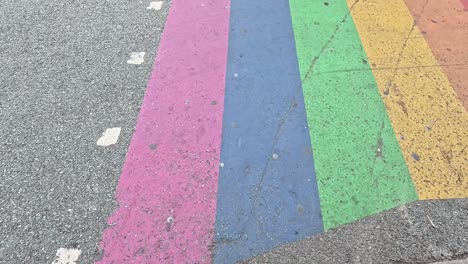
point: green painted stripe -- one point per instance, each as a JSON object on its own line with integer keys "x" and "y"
{"x": 360, "y": 168}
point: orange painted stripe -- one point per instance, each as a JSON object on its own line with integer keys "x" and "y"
{"x": 444, "y": 26}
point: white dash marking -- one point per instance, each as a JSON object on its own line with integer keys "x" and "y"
{"x": 109, "y": 137}
{"x": 157, "y": 5}
{"x": 136, "y": 58}
{"x": 67, "y": 256}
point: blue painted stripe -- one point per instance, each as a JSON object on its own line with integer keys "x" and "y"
{"x": 264, "y": 202}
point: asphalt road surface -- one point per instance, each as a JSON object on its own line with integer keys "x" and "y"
{"x": 417, "y": 233}
{"x": 64, "y": 80}
{"x": 72, "y": 79}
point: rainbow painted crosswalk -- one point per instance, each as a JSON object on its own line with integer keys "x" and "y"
{"x": 264, "y": 123}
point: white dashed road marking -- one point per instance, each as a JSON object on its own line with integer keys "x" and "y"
{"x": 136, "y": 58}
{"x": 109, "y": 137}
{"x": 155, "y": 5}
{"x": 66, "y": 256}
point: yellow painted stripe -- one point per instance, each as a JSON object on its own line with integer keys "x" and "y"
{"x": 429, "y": 120}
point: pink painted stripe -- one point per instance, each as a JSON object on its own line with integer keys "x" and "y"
{"x": 167, "y": 190}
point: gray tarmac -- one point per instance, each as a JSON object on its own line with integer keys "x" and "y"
{"x": 64, "y": 79}
{"x": 420, "y": 232}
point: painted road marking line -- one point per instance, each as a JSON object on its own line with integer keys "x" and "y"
{"x": 67, "y": 256}
{"x": 360, "y": 168}
{"x": 422, "y": 105}
{"x": 157, "y": 5}
{"x": 167, "y": 190}
{"x": 136, "y": 58}
{"x": 267, "y": 188}
{"x": 109, "y": 137}
{"x": 444, "y": 25}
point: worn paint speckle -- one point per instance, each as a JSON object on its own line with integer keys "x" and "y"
{"x": 67, "y": 256}
{"x": 156, "y": 5}
{"x": 109, "y": 137}
{"x": 136, "y": 58}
